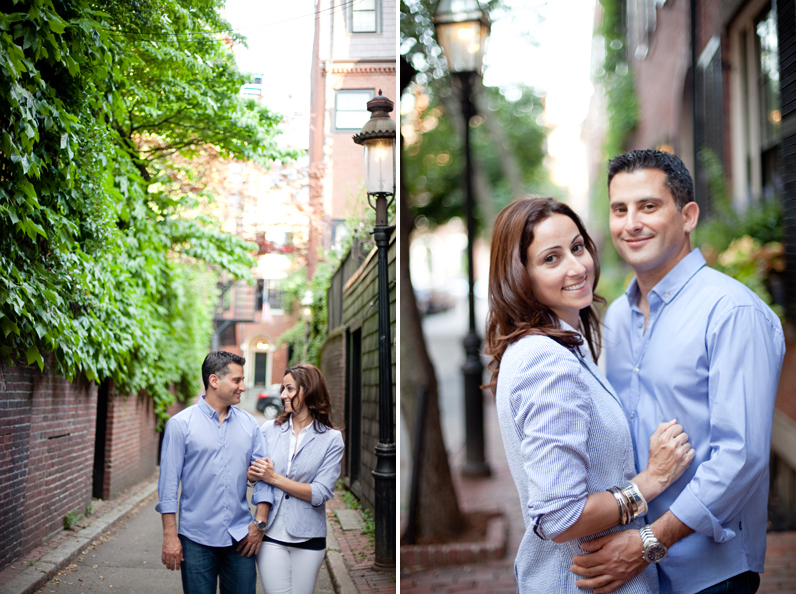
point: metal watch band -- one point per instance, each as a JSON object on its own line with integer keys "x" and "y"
{"x": 654, "y": 550}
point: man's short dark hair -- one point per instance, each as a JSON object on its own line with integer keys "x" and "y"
{"x": 217, "y": 363}
{"x": 678, "y": 180}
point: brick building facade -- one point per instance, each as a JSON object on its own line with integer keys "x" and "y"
{"x": 354, "y": 55}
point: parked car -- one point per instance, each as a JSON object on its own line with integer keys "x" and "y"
{"x": 269, "y": 403}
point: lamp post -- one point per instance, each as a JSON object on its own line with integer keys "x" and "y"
{"x": 462, "y": 29}
{"x": 306, "y": 315}
{"x": 378, "y": 138}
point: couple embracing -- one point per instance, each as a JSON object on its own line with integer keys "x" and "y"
{"x": 653, "y": 476}
{"x": 210, "y": 450}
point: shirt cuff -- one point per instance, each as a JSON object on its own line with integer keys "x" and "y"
{"x": 167, "y": 507}
{"x": 263, "y": 494}
{"x": 691, "y": 512}
{"x": 549, "y": 525}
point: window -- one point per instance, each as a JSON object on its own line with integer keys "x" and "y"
{"x": 363, "y": 18}
{"x": 268, "y": 291}
{"x": 350, "y": 108}
{"x": 755, "y": 103}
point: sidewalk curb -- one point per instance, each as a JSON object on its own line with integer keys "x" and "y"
{"x": 343, "y": 584}
{"x": 34, "y": 577}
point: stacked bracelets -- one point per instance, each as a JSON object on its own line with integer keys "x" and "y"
{"x": 630, "y": 500}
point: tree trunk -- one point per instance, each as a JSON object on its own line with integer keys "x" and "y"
{"x": 438, "y": 515}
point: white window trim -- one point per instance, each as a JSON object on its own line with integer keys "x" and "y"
{"x": 350, "y": 20}
{"x": 745, "y": 131}
{"x": 335, "y": 129}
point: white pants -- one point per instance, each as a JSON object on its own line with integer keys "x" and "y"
{"x": 288, "y": 570}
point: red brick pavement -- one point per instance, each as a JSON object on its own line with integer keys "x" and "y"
{"x": 498, "y": 492}
{"x": 358, "y": 553}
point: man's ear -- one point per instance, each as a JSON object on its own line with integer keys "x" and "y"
{"x": 213, "y": 381}
{"x": 690, "y": 214}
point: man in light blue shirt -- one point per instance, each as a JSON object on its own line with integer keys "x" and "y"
{"x": 686, "y": 342}
{"x": 208, "y": 448}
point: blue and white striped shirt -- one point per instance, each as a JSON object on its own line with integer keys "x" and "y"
{"x": 566, "y": 436}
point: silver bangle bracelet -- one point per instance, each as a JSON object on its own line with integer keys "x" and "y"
{"x": 638, "y": 505}
{"x": 621, "y": 500}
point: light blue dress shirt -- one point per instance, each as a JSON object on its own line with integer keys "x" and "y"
{"x": 710, "y": 357}
{"x": 210, "y": 460}
{"x": 566, "y": 436}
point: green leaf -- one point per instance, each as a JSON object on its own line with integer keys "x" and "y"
{"x": 57, "y": 25}
{"x": 8, "y": 326}
{"x": 33, "y": 355}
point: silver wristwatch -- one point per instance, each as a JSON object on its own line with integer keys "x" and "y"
{"x": 654, "y": 550}
{"x": 259, "y": 524}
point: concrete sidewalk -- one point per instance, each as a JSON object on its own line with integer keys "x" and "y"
{"x": 57, "y": 563}
{"x": 498, "y": 491}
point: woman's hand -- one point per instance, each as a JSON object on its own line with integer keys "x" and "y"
{"x": 670, "y": 455}
{"x": 262, "y": 470}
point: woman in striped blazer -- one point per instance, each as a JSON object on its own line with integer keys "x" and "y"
{"x": 566, "y": 436}
{"x": 305, "y": 452}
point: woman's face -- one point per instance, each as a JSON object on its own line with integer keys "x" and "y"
{"x": 561, "y": 268}
{"x": 292, "y": 396}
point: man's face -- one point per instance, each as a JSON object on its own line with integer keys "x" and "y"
{"x": 231, "y": 386}
{"x": 648, "y": 231}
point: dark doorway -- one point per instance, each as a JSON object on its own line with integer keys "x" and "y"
{"x": 98, "y": 481}
{"x": 353, "y": 413}
{"x": 260, "y": 365}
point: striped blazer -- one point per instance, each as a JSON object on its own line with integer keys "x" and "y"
{"x": 317, "y": 462}
{"x": 566, "y": 436}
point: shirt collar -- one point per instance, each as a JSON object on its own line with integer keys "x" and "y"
{"x": 290, "y": 424}
{"x": 583, "y": 350}
{"x": 210, "y": 411}
{"x": 670, "y": 285}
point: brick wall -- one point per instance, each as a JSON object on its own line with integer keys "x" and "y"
{"x": 131, "y": 442}
{"x": 47, "y": 427}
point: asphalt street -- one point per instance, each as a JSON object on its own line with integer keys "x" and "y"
{"x": 128, "y": 559}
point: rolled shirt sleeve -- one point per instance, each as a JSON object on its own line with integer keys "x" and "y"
{"x": 263, "y": 492}
{"x": 549, "y": 401}
{"x": 172, "y": 457}
{"x": 323, "y": 484}
{"x": 741, "y": 413}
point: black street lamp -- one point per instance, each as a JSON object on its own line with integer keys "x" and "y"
{"x": 462, "y": 29}
{"x": 378, "y": 138}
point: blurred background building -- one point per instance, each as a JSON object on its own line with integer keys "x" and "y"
{"x": 353, "y": 57}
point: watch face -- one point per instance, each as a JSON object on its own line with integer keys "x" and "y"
{"x": 655, "y": 553}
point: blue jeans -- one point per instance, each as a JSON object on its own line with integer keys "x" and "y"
{"x": 204, "y": 567}
{"x": 743, "y": 583}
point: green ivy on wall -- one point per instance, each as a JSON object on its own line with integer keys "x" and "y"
{"x": 103, "y": 266}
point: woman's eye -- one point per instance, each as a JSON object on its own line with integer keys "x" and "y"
{"x": 576, "y": 249}
{"x": 550, "y": 259}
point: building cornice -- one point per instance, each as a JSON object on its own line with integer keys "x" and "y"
{"x": 360, "y": 67}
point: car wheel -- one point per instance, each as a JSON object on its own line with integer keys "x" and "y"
{"x": 271, "y": 411}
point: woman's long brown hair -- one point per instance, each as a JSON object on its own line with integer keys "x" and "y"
{"x": 316, "y": 396}
{"x": 514, "y": 311}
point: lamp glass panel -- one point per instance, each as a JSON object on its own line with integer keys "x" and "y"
{"x": 462, "y": 44}
{"x": 379, "y": 163}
